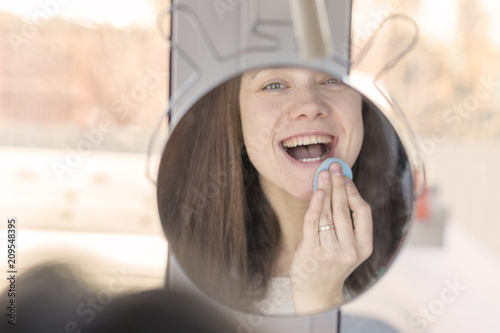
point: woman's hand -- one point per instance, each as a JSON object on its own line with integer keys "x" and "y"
{"x": 324, "y": 259}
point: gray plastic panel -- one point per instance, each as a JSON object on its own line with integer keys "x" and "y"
{"x": 213, "y": 41}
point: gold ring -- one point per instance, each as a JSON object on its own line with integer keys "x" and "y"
{"x": 326, "y": 227}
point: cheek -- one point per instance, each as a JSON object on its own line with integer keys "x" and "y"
{"x": 353, "y": 125}
{"x": 256, "y": 130}
{"x": 256, "y": 141}
{"x": 259, "y": 122}
{"x": 357, "y": 135}
{"x": 356, "y": 122}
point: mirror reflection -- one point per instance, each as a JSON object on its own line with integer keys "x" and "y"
{"x": 237, "y": 202}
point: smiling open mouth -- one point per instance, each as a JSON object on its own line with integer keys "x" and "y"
{"x": 309, "y": 148}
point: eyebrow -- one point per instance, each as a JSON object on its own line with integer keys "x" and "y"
{"x": 263, "y": 69}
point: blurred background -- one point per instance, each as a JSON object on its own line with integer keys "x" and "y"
{"x": 82, "y": 84}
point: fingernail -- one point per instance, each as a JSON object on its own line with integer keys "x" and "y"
{"x": 347, "y": 180}
{"x": 336, "y": 169}
{"x": 325, "y": 176}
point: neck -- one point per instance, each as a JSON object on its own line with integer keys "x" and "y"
{"x": 290, "y": 212}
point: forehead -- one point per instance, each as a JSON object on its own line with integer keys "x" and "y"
{"x": 299, "y": 71}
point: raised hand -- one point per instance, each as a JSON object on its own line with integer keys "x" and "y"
{"x": 334, "y": 244}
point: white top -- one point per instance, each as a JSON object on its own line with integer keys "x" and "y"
{"x": 278, "y": 300}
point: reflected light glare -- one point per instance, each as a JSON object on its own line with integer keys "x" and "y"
{"x": 438, "y": 20}
{"x": 492, "y": 9}
{"x": 131, "y": 249}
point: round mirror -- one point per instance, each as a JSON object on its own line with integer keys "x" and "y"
{"x": 237, "y": 201}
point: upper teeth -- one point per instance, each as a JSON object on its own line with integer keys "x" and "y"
{"x": 306, "y": 140}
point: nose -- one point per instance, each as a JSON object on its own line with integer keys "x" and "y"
{"x": 309, "y": 104}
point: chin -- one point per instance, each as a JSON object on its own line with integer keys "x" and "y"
{"x": 303, "y": 193}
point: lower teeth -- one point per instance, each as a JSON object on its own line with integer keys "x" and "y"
{"x": 308, "y": 160}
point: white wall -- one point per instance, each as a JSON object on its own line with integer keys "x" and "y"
{"x": 467, "y": 174}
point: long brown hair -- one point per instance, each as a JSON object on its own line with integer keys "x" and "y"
{"x": 219, "y": 223}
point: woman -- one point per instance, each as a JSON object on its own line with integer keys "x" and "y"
{"x": 235, "y": 191}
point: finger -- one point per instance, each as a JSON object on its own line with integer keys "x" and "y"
{"x": 324, "y": 184}
{"x": 311, "y": 219}
{"x": 362, "y": 216}
{"x": 340, "y": 207}
{"x": 326, "y": 217}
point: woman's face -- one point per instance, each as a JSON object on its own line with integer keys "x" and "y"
{"x": 293, "y": 119}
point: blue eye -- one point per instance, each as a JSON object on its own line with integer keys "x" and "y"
{"x": 274, "y": 86}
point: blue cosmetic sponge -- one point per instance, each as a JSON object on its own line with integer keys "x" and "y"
{"x": 326, "y": 164}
